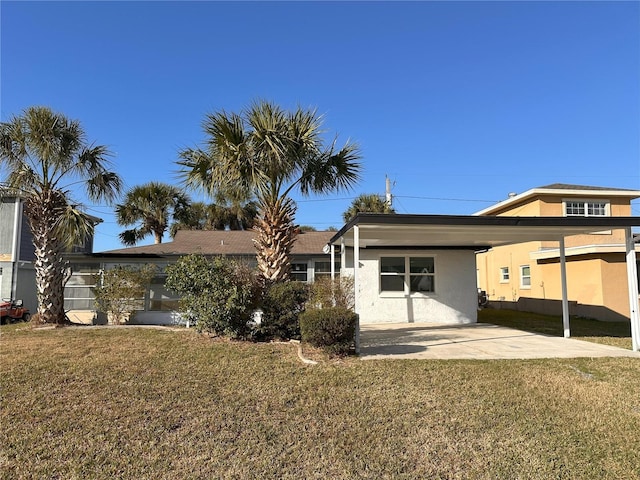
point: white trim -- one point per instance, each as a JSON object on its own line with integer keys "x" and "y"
{"x": 333, "y": 261}
{"x": 632, "y": 194}
{"x": 632, "y": 287}
{"x": 501, "y": 275}
{"x": 522, "y": 285}
{"x": 580, "y": 250}
{"x": 406, "y": 276}
{"x": 563, "y": 283}
{"x": 586, "y": 202}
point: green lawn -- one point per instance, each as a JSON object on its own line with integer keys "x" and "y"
{"x": 617, "y": 334}
{"x": 158, "y": 404}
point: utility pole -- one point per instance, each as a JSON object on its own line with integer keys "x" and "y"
{"x": 389, "y": 198}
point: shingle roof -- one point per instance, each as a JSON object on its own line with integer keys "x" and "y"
{"x": 224, "y": 242}
{"x": 568, "y": 186}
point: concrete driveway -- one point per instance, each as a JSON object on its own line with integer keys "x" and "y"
{"x": 474, "y": 341}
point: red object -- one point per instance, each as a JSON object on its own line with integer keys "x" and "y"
{"x": 11, "y": 310}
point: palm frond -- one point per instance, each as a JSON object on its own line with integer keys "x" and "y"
{"x": 74, "y": 226}
{"x": 332, "y": 172}
{"x": 132, "y": 236}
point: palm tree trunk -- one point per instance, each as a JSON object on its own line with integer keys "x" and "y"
{"x": 42, "y": 213}
{"x": 275, "y": 236}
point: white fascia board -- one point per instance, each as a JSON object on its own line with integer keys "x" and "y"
{"x": 581, "y": 250}
{"x": 563, "y": 192}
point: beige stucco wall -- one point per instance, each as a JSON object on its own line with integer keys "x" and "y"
{"x": 596, "y": 280}
{"x": 512, "y": 256}
{"x": 454, "y": 301}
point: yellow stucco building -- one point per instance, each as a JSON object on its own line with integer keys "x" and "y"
{"x": 526, "y": 276}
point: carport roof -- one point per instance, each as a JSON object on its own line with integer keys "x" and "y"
{"x": 466, "y": 231}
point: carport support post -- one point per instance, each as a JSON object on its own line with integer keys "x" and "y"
{"x": 356, "y": 281}
{"x": 333, "y": 261}
{"x": 632, "y": 282}
{"x": 563, "y": 281}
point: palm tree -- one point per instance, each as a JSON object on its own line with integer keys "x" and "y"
{"x": 43, "y": 155}
{"x": 367, "y": 203}
{"x": 149, "y": 207}
{"x": 268, "y": 152}
{"x": 216, "y": 216}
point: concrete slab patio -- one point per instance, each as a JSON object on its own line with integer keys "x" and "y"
{"x": 478, "y": 341}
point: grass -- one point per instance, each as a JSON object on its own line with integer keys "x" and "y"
{"x": 617, "y": 334}
{"x": 83, "y": 403}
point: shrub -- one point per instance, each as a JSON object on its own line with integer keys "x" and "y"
{"x": 327, "y": 292}
{"x": 219, "y": 295}
{"x": 282, "y": 305}
{"x": 120, "y": 291}
{"x": 332, "y": 329}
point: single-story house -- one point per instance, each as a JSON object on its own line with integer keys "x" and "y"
{"x": 406, "y": 268}
{"x": 309, "y": 262}
{"x": 422, "y": 268}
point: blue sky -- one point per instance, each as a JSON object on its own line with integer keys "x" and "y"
{"x": 459, "y": 103}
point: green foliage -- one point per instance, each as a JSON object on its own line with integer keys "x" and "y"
{"x": 332, "y": 329}
{"x": 219, "y": 294}
{"x": 326, "y": 292}
{"x": 234, "y": 215}
{"x": 44, "y": 157}
{"x": 120, "y": 291}
{"x": 367, "y": 203}
{"x": 149, "y": 208}
{"x": 267, "y": 152}
{"x": 282, "y": 305}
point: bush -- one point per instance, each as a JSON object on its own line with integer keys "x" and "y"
{"x": 327, "y": 292}
{"x": 282, "y": 305}
{"x": 119, "y": 291}
{"x": 332, "y": 329}
{"x": 219, "y": 295}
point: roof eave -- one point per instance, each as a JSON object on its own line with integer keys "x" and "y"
{"x": 632, "y": 194}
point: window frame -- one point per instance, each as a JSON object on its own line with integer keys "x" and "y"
{"x": 406, "y": 276}
{"x": 505, "y": 278}
{"x": 296, "y": 275}
{"x": 524, "y": 286}
{"x": 586, "y": 204}
{"x": 318, "y": 274}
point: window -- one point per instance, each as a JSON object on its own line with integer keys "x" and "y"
{"x": 422, "y": 274}
{"x": 299, "y": 272}
{"x": 392, "y": 274}
{"x": 420, "y": 278}
{"x": 161, "y": 299}
{"x": 323, "y": 269}
{"x": 504, "y": 274}
{"x": 525, "y": 276}
{"x": 586, "y": 208}
{"x": 78, "y": 291}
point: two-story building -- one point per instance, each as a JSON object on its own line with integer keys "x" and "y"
{"x": 525, "y": 276}
{"x": 17, "y": 253}
{"x": 17, "y": 276}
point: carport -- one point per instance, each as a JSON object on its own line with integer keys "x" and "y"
{"x": 477, "y": 341}
{"x": 464, "y": 232}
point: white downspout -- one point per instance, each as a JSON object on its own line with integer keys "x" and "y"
{"x": 632, "y": 282}
{"x": 563, "y": 281}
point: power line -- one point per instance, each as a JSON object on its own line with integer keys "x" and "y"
{"x": 447, "y": 199}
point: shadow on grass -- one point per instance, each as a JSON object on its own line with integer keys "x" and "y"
{"x": 552, "y": 325}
